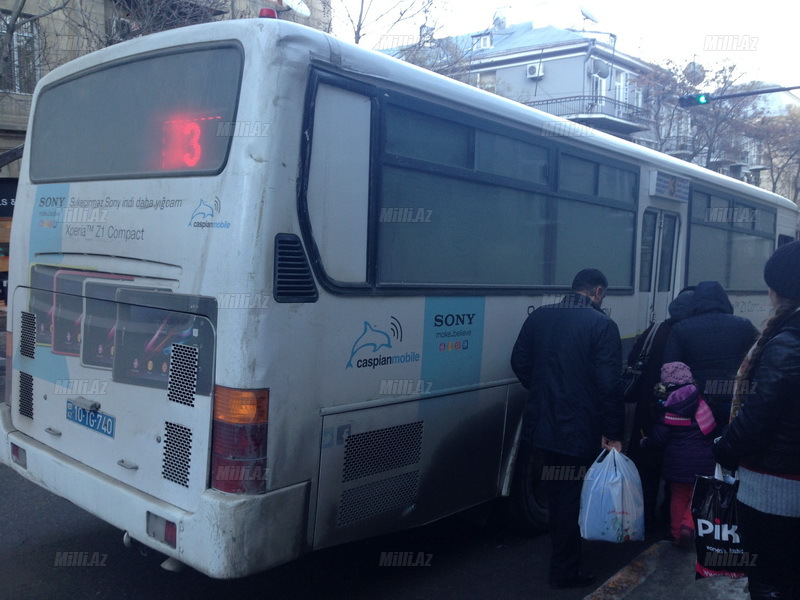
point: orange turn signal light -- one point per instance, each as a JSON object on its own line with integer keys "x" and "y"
{"x": 241, "y": 406}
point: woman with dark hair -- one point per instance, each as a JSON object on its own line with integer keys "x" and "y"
{"x": 763, "y": 439}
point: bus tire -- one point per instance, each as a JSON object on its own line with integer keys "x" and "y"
{"x": 525, "y": 509}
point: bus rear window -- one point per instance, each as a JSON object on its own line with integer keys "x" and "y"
{"x": 166, "y": 114}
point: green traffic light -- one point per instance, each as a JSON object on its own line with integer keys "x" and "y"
{"x": 694, "y": 99}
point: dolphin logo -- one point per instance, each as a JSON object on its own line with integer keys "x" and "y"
{"x": 369, "y": 338}
{"x": 203, "y": 210}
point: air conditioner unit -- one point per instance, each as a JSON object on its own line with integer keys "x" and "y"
{"x": 535, "y": 71}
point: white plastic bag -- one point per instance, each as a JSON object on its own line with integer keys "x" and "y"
{"x": 612, "y": 507}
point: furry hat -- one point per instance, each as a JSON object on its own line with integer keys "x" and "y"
{"x": 676, "y": 373}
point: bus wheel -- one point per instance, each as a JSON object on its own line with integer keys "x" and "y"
{"x": 525, "y": 509}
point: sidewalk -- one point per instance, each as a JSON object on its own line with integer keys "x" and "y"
{"x": 665, "y": 572}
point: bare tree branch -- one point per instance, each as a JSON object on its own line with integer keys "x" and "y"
{"x": 780, "y": 139}
{"x": 59, "y": 7}
{"x": 21, "y": 60}
{"x": 365, "y": 16}
{"x": 712, "y": 135}
{"x": 135, "y": 18}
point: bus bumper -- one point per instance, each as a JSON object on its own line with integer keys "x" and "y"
{"x": 229, "y": 536}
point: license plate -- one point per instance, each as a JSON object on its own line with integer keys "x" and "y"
{"x": 93, "y": 419}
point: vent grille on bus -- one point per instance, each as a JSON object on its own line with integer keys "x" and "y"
{"x": 293, "y": 281}
{"x": 380, "y": 496}
{"x": 27, "y": 335}
{"x": 177, "y": 453}
{"x": 381, "y": 450}
{"x": 182, "y": 383}
{"x": 26, "y": 395}
{"x": 368, "y": 455}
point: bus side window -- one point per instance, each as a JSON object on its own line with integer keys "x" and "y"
{"x": 338, "y": 182}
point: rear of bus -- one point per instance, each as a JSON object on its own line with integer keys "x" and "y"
{"x": 129, "y": 389}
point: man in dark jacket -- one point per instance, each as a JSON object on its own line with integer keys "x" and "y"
{"x": 569, "y": 356}
{"x": 712, "y": 342}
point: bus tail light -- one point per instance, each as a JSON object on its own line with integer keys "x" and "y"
{"x": 19, "y": 456}
{"x": 239, "y": 441}
{"x": 162, "y": 530}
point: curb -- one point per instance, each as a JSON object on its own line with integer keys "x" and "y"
{"x": 663, "y": 571}
{"x": 629, "y": 577}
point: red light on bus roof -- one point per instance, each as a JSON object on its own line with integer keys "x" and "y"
{"x": 268, "y": 13}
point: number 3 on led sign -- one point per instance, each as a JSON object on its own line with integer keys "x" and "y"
{"x": 182, "y": 145}
{"x": 192, "y": 139}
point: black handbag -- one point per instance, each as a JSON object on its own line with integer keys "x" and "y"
{"x": 632, "y": 373}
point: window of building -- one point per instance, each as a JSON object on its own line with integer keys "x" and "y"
{"x": 621, "y": 86}
{"x": 638, "y": 97}
{"x": 487, "y": 80}
{"x": 21, "y": 72}
{"x": 598, "y": 86}
{"x": 482, "y": 42}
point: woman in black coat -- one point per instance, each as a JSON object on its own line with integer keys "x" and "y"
{"x": 763, "y": 439}
{"x": 712, "y": 341}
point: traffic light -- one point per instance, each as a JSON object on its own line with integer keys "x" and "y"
{"x": 694, "y": 99}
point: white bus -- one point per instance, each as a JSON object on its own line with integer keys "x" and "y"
{"x": 264, "y": 285}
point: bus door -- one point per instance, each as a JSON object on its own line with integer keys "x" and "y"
{"x": 658, "y": 256}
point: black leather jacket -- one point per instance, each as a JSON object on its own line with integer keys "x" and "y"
{"x": 765, "y": 436}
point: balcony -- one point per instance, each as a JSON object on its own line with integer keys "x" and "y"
{"x": 599, "y": 112}
{"x": 679, "y": 146}
{"x": 729, "y": 157}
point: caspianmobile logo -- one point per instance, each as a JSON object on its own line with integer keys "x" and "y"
{"x": 204, "y": 215}
{"x": 373, "y": 347}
